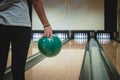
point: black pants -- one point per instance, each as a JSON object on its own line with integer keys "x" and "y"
{"x": 19, "y": 38}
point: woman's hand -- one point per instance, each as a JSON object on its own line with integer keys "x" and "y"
{"x": 47, "y": 32}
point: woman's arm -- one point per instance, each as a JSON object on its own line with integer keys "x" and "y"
{"x": 42, "y": 16}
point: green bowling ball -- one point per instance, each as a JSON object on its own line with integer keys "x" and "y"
{"x": 49, "y": 47}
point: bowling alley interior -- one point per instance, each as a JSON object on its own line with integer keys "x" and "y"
{"x": 89, "y": 32}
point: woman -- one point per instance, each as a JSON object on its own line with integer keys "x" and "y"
{"x": 15, "y": 29}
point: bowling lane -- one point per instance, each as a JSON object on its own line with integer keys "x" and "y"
{"x": 9, "y": 59}
{"x": 65, "y": 66}
{"x": 112, "y": 49}
{"x": 32, "y": 50}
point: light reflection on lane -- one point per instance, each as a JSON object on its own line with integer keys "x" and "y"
{"x": 112, "y": 49}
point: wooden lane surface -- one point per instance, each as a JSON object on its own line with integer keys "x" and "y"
{"x": 112, "y": 49}
{"x": 32, "y": 50}
{"x": 65, "y": 66}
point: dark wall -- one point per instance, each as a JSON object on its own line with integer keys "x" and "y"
{"x": 110, "y": 16}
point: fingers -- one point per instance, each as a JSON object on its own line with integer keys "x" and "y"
{"x": 51, "y": 36}
{"x": 47, "y": 35}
